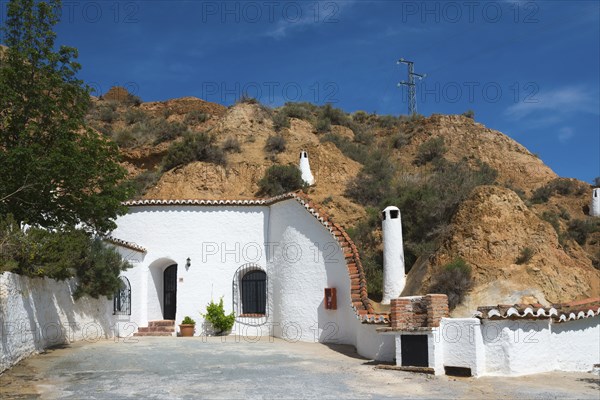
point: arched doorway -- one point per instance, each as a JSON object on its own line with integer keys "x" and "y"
{"x": 170, "y": 292}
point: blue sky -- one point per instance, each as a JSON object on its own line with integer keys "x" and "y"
{"x": 527, "y": 68}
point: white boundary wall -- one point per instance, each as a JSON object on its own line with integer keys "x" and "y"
{"x": 520, "y": 347}
{"x": 36, "y": 313}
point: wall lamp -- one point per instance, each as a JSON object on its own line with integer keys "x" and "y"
{"x": 188, "y": 263}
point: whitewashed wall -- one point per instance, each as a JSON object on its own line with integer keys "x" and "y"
{"x": 576, "y": 344}
{"x": 36, "y": 313}
{"x": 463, "y": 344}
{"x": 517, "y": 347}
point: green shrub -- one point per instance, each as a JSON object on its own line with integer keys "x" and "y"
{"x": 246, "y": 99}
{"x": 561, "y": 186}
{"x": 564, "y": 214}
{"x": 454, "y": 280}
{"x": 107, "y": 112}
{"x": 525, "y": 255}
{"x": 280, "y": 121}
{"x": 373, "y": 181}
{"x": 275, "y": 144}
{"x": 596, "y": 260}
{"x": 133, "y": 115}
{"x": 400, "y": 140}
{"x": 354, "y": 151}
{"x": 188, "y": 321}
{"x": 360, "y": 117}
{"x": 144, "y": 181}
{"x": 124, "y": 138}
{"x": 323, "y": 125}
{"x": 166, "y": 131}
{"x": 387, "y": 121}
{"x": 232, "y": 145}
{"x": 552, "y": 219}
{"x": 469, "y": 114}
{"x": 215, "y": 314}
{"x": 298, "y": 110}
{"x": 280, "y": 179}
{"x": 579, "y": 230}
{"x": 430, "y": 150}
{"x": 335, "y": 116}
{"x": 194, "y": 147}
{"x": 196, "y": 117}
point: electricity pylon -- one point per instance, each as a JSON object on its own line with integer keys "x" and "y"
{"x": 412, "y": 90}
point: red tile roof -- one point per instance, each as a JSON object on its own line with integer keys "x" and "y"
{"x": 123, "y": 243}
{"x": 558, "y": 312}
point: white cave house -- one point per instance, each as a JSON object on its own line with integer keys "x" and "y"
{"x": 287, "y": 270}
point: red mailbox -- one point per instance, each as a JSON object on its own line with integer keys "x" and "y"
{"x": 330, "y": 299}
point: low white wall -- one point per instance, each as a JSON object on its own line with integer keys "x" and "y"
{"x": 517, "y": 347}
{"x": 463, "y": 344}
{"x": 36, "y": 313}
{"x": 576, "y": 344}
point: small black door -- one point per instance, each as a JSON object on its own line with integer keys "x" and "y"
{"x": 414, "y": 351}
{"x": 170, "y": 292}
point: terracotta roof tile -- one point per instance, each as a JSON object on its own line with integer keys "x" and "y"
{"x": 123, "y": 243}
{"x": 558, "y": 312}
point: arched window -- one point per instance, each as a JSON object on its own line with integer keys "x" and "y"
{"x": 254, "y": 292}
{"x": 122, "y": 298}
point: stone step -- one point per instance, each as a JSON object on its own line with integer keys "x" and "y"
{"x": 157, "y": 329}
{"x": 164, "y": 322}
{"x": 153, "y": 334}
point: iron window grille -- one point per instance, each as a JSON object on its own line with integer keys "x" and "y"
{"x": 250, "y": 295}
{"x": 122, "y": 298}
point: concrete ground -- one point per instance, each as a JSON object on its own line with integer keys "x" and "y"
{"x": 187, "y": 368}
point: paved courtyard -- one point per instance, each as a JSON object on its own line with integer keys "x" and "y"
{"x": 186, "y": 368}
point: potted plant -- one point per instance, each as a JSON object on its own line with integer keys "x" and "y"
{"x": 187, "y": 327}
{"x": 215, "y": 314}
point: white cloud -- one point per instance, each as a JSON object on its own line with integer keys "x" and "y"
{"x": 565, "y": 134}
{"x": 317, "y": 13}
{"x": 556, "y": 104}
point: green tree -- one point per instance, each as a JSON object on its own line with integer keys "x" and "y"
{"x": 56, "y": 171}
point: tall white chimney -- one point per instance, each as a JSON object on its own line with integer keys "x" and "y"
{"x": 393, "y": 254}
{"x": 307, "y": 176}
{"x": 595, "y": 203}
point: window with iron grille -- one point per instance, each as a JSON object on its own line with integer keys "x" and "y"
{"x": 250, "y": 295}
{"x": 122, "y": 298}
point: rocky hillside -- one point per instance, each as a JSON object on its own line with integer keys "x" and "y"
{"x": 465, "y": 191}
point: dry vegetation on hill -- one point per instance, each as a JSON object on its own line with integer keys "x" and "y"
{"x": 465, "y": 191}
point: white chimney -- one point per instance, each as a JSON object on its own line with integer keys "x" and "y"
{"x": 595, "y": 203}
{"x": 393, "y": 254}
{"x": 307, "y": 176}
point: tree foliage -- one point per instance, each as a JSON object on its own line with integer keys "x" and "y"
{"x": 61, "y": 254}
{"x": 56, "y": 172}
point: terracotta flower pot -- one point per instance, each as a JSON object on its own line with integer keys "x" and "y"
{"x": 187, "y": 330}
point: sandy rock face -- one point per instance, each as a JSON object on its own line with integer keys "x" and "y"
{"x": 489, "y": 232}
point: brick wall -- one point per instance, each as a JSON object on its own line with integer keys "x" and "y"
{"x": 418, "y": 311}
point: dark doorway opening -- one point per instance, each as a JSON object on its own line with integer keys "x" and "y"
{"x": 457, "y": 371}
{"x": 414, "y": 351}
{"x": 170, "y": 292}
